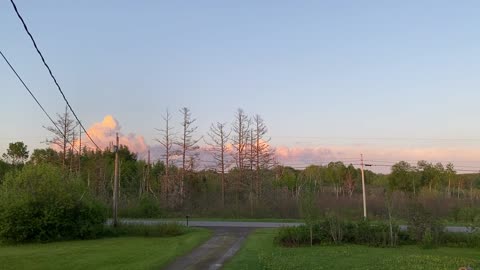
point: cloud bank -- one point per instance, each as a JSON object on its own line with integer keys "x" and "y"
{"x": 461, "y": 157}
{"x": 103, "y": 133}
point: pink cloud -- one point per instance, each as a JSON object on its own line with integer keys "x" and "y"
{"x": 461, "y": 157}
{"x": 103, "y": 134}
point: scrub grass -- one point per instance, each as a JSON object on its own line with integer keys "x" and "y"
{"x": 260, "y": 252}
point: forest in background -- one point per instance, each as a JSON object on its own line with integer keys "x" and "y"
{"x": 243, "y": 179}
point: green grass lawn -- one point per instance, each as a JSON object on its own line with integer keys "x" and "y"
{"x": 259, "y": 252}
{"x": 107, "y": 253}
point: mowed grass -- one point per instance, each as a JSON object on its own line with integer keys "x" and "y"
{"x": 259, "y": 252}
{"x": 107, "y": 253}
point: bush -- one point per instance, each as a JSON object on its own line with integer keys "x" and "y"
{"x": 470, "y": 240}
{"x": 336, "y": 227}
{"x": 146, "y": 207}
{"x": 423, "y": 227}
{"x": 466, "y": 214}
{"x": 427, "y": 240}
{"x": 294, "y": 236}
{"x": 375, "y": 234}
{"x": 41, "y": 204}
{"x": 337, "y": 232}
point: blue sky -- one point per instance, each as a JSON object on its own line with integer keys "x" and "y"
{"x": 321, "y": 73}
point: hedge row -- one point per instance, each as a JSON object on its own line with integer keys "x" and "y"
{"x": 378, "y": 234}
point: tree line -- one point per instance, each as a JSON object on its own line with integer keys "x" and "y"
{"x": 242, "y": 175}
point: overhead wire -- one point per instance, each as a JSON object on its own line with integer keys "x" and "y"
{"x": 91, "y": 139}
{"x": 35, "y": 98}
{"x": 50, "y": 72}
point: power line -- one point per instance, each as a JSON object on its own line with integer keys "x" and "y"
{"x": 50, "y": 72}
{"x": 376, "y": 138}
{"x": 33, "y": 96}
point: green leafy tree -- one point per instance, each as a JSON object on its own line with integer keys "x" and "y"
{"x": 351, "y": 175}
{"x": 451, "y": 175}
{"x": 4, "y": 169}
{"x": 47, "y": 155}
{"x": 288, "y": 178}
{"x": 308, "y": 207}
{"x": 17, "y": 154}
{"x": 431, "y": 175}
{"x": 403, "y": 177}
{"x": 313, "y": 173}
{"x": 335, "y": 174}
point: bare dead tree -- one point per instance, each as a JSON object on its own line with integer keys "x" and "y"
{"x": 192, "y": 162}
{"x": 187, "y": 143}
{"x": 263, "y": 155}
{"x": 240, "y": 129}
{"x": 219, "y": 142}
{"x": 62, "y": 135}
{"x": 166, "y": 140}
{"x": 240, "y": 132}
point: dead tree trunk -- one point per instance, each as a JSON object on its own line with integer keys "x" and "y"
{"x": 219, "y": 141}
{"x": 188, "y": 144}
{"x": 166, "y": 140}
{"x": 240, "y": 131}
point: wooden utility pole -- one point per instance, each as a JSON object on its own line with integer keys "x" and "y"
{"x": 147, "y": 184}
{"x": 80, "y": 148}
{"x": 115, "y": 186}
{"x": 363, "y": 189}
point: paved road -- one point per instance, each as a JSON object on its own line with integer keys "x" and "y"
{"x": 253, "y": 224}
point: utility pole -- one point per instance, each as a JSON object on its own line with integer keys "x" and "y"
{"x": 80, "y": 149}
{"x": 363, "y": 189}
{"x": 115, "y": 185}
{"x": 147, "y": 179}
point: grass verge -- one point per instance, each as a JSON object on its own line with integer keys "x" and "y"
{"x": 108, "y": 253}
{"x": 259, "y": 252}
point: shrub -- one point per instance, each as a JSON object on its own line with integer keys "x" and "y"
{"x": 292, "y": 236}
{"x": 336, "y": 232}
{"x": 39, "y": 203}
{"x": 421, "y": 224}
{"x": 427, "y": 240}
{"x": 375, "y": 234}
{"x": 466, "y": 214}
{"x": 146, "y": 207}
{"x": 336, "y": 227}
{"x": 149, "y": 207}
{"x": 470, "y": 240}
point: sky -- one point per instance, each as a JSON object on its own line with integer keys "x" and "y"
{"x": 333, "y": 79}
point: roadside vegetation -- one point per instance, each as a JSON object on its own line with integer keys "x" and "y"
{"x": 42, "y": 204}
{"x": 234, "y": 176}
{"x": 262, "y": 252}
